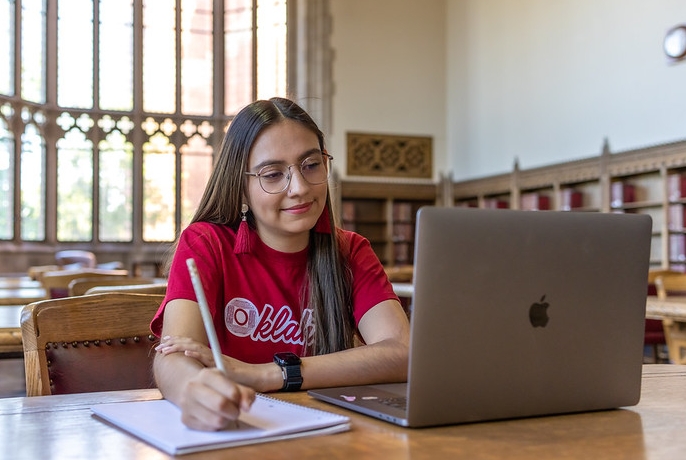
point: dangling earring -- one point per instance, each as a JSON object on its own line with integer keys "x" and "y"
{"x": 242, "y": 245}
{"x": 323, "y": 224}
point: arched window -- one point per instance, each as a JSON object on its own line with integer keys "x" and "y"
{"x": 111, "y": 110}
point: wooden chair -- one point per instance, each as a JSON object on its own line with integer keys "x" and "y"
{"x": 671, "y": 285}
{"x": 90, "y": 343}
{"x": 400, "y": 273}
{"x": 36, "y": 272}
{"x": 654, "y": 330}
{"x": 154, "y": 288}
{"x": 56, "y": 283}
{"x": 75, "y": 258}
{"x": 675, "y": 333}
{"x": 114, "y": 265}
{"x": 79, "y": 286}
{"x": 654, "y": 274}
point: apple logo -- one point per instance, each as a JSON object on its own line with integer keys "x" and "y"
{"x": 538, "y": 313}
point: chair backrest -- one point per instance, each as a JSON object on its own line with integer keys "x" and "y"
{"x": 36, "y": 272}
{"x": 154, "y": 288}
{"x": 654, "y": 274}
{"x": 56, "y": 283}
{"x": 672, "y": 284}
{"x": 79, "y": 286}
{"x": 114, "y": 265}
{"x": 97, "y": 342}
{"x": 75, "y": 258}
{"x": 400, "y": 273}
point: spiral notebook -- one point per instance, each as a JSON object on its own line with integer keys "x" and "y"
{"x": 158, "y": 423}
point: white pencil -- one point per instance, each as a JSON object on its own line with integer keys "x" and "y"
{"x": 206, "y": 316}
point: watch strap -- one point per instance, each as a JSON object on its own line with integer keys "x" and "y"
{"x": 292, "y": 378}
{"x": 290, "y": 370}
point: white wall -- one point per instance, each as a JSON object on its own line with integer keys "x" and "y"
{"x": 389, "y": 72}
{"x": 544, "y": 81}
{"x": 547, "y": 81}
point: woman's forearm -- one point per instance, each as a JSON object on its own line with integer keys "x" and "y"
{"x": 381, "y": 362}
{"x": 172, "y": 372}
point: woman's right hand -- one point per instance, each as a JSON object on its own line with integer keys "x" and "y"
{"x": 212, "y": 402}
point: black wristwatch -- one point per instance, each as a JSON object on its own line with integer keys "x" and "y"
{"x": 290, "y": 369}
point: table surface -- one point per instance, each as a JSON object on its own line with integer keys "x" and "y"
{"x": 10, "y": 331}
{"x": 10, "y": 316}
{"x": 21, "y": 296}
{"x": 62, "y": 427}
{"x": 18, "y": 282}
{"x": 670, "y": 308}
{"x": 403, "y": 289}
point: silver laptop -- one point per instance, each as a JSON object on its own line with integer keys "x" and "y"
{"x": 518, "y": 314}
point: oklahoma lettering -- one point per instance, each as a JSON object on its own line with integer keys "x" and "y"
{"x": 243, "y": 319}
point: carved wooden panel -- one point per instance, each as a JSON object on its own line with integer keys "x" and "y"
{"x": 389, "y": 155}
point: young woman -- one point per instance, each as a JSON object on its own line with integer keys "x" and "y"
{"x": 289, "y": 292}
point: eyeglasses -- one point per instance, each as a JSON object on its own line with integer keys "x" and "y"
{"x": 276, "y": 178}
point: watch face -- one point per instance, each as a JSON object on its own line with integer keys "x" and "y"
{"x": 675, "y": 42}
{"x": 286, "y": 359}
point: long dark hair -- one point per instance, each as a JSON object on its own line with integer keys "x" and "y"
{"x": 328, "y": 288}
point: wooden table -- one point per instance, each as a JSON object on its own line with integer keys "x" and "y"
{"x": 18, "y": 282}
{"x": 403, "y": 289}
{"x": 62, "y": 427}
{"x": 672, "y": 312}
{"x": 10, "y": 330}
{"x": 21, "y": 296}
{"x": 16, "y": 293}
{"x": 673, "y": 308}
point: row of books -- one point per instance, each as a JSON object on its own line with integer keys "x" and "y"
{"x": 676, "y": 186}
{"x": 677, "y": 216}
{"x": 625, "y": 192}
{"x": 369, "y": 210}
{"x": 677, "y": 248}
{"x": 403, "y": 253}
{"x": 351, "y": 210}
{"x": 535, "y": 201}
{"x": 620, "y": 194}
{"x": 367, "y": 217}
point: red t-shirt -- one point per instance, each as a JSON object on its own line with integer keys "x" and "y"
{"x": 255, "y": 298}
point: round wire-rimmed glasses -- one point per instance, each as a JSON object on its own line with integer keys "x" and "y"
{"x": 277, "y": 177}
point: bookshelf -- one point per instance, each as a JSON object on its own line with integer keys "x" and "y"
{"x": 384, "y": 212}
{"x": 368, "y": 217}
{"x": 649, "y": 181}
{"x": 676, "y": 217}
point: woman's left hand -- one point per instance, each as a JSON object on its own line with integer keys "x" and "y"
{"x": 187, "y": 346}
{"x": 260, "y": 377}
